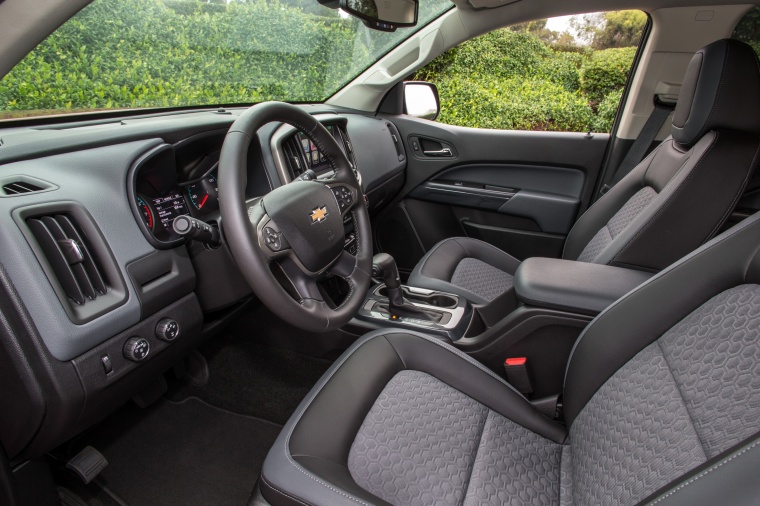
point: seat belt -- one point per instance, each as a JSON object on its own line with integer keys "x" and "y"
{"x": 645, "y": 139}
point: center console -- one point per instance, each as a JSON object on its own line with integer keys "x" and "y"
{"x": 447, "y": 315}
{"x": 443, "y": 315}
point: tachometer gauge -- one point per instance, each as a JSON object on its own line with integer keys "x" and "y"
{"x": 146, "y": 212}
{"x": 204, "y": 194}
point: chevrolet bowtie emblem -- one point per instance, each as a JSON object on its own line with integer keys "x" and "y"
{"x": 319, "y": 214}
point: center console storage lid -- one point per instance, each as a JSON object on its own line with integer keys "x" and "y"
{"x": 579, "y": 287}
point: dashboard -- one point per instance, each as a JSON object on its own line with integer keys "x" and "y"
{"x": 94, "y": 271}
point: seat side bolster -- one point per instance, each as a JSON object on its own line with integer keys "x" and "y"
{"x": 729, "y": 478}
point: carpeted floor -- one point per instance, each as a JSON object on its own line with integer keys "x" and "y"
{"x": 186, "y": 453}
{"x": 202, "y": 445}
{"x": 254, "y": 379}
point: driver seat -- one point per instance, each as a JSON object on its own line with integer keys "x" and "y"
{"x": 661, "y": 404}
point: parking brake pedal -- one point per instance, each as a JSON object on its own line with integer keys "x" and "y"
{"x": 87, "y": 464}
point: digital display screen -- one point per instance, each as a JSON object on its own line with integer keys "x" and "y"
{"x": 169, "y": 207}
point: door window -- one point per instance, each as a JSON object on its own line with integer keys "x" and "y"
{"x": 563, "y": 74}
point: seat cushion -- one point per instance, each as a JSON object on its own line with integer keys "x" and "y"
{"x": 686, "y": 398}
{"x": 403, "y": 418}
{"x": 471, "y": 268}
{"x": 424, "y": 442}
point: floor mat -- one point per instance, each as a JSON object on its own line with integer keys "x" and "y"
{"x": 253, "y": 379}
{"x": 186, "y": 453}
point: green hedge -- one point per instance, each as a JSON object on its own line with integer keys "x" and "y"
{"x": 514, "y": 80}
{"x": 607, "y": 111}
{"x": 161, "y": 53}
{"x": 144, "y": 53}
{"x": 516, "y": 103}
{"x": 606, "y": 71}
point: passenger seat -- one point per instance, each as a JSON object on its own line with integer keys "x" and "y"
{"x": 668, "y": 205}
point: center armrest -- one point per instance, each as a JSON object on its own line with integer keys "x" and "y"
{"x": 573, "y": 286}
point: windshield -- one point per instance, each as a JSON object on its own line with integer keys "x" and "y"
{"x": 172, "y": 53}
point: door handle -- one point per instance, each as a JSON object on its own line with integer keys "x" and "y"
{"x": 445, "y": 152}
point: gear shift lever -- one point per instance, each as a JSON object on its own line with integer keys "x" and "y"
{"x": 383, "y": 265}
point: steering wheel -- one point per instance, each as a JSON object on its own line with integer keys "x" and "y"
{"x": 297, "y": 228}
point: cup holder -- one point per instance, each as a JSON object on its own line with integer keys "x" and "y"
{"x": 435, "y": 299}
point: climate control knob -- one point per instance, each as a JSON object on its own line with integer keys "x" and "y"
{"x": 167, "y": 329}
{"x": 136, "y": 349}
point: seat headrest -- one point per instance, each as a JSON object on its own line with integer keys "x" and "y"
{"x": 721, "y": 90}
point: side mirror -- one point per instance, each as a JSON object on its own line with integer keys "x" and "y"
{"x": 383, "y": 15}
{"x": 421, "y": 100}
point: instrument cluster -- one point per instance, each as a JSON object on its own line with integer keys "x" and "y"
{"x": 198, "y": 198}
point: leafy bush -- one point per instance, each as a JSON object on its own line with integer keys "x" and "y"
{"x": 149, "y": 53}
{"x": 515, "y": 104}
{"x": 607, "y": 111}
{"x": 606, "y": 71}
{"x": 512, "y": 80}
{"x": 562, "y": 68}
{"x": 162, "y": 53}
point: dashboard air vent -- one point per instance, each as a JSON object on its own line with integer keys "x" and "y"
{"x": 69, "y": 256}
{"x": 292, "y": 150}
{"x": 20, "y": 185}
{"x": 75, "y": 258}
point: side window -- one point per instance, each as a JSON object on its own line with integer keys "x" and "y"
{"x": 563, "y": 74}
{"x": 748, "y": 29}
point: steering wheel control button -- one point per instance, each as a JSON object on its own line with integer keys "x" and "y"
{"x": 136, "y": 349}
{"x": 343, "y": 196}
{"x": 273, "y": 238}
{"x": 167, "y": 329}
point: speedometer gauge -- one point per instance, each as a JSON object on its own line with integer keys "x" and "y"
{"x": 146, "y": 212}
{"x": 204, "y": 194}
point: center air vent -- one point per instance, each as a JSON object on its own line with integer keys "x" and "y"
{"x": 75, "y": 258}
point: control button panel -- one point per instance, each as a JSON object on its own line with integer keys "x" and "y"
{"x": 167, "y": 329}
{"x": 273, "y": 238}
{"x": 136, "y": 349}
{"x": 343, "y": 196}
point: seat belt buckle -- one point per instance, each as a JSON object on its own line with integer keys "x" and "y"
{"x": 604, "y": 189}
{"x": 517, "y": 374}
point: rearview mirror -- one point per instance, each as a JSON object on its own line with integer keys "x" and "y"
{"x": 383, "y": 15}
{"x": 421, "y": 100}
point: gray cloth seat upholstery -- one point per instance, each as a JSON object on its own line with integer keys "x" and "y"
{"x": 676, "y": 199}
{"x": 661, "y": 403}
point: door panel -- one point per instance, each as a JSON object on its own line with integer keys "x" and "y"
{"x": 518, "y": 190}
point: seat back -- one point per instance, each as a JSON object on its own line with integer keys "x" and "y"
{"x": 679, "y": 196}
